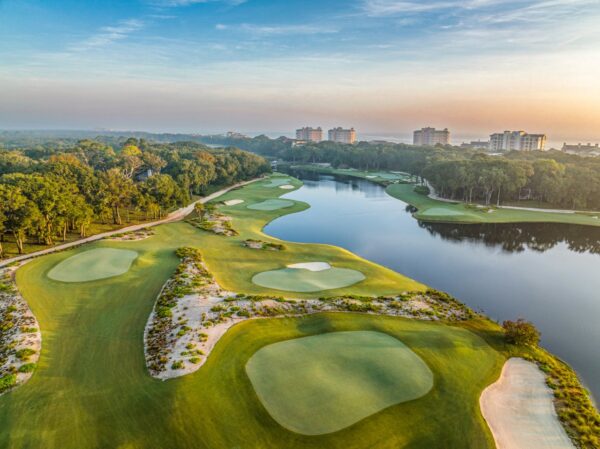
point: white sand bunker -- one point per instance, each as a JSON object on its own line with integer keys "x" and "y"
{"x": 287, "y": 187}
{"x": 311, "y": 266}
{"x": 520, "y": 411}
{"x": 233, "y": 202}
{"x": 371, "y": 176}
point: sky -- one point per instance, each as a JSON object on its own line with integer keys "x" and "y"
{"x": 386, "y": 67}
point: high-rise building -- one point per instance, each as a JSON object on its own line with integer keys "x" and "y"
{"x": 581, "y": 149}
{"x": 517, "y": 140}
{"x": 308, "y": 134}
{"x": 431, "y": 137}
{"x": 342, "y": 135}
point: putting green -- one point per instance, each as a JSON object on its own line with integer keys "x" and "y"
{"x": 324, "y": 383}
{"x": 271, "y": 205}
{"x": 276, "y": 182}
{"x": 307, "y": 280}
{"x": 99, "y": 263}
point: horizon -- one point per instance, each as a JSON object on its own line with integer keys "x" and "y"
{"x": 386, "y": 67}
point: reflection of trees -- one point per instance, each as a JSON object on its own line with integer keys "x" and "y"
{"x": 517, "y": 237}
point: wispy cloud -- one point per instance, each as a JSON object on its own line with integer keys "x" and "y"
{"x": 276, "y": 30}
{"x": 177, "y": 3}
{"x": 109, "y": 34}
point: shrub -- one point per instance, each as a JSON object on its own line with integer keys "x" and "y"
{"x": 7, "y": 382}
{"x": 521, "y": 333}
{"x": 177, "y": 365}
{"x": 27, "y": 368}
{"x": 24, "y": 354}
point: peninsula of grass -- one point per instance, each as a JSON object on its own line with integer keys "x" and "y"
{"x": 432, "y": 210}
{"x": 324, "y": 383}
{"x": 303, "y": 280}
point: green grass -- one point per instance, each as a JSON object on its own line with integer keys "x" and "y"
{"x": 323, "y": 383}
{"x": 301, "y": 280}
{"x": 234, "y": 265}
{"x": 435, "y": 210}
{"x": 91, "y": 388}
{"x": 270, "y": 205}
{"x": 277, "y": 181}
{"x": 99, "y": 263}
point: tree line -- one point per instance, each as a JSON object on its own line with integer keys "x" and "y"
{"x": 552, "y": 177}
{"x": 47, "y": 192}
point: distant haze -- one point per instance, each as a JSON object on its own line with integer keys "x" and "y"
{"x": 386, "y": 67}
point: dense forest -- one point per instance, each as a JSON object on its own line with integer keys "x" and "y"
{"x": 551, "y": 178}
{"x": 50, "y": 190}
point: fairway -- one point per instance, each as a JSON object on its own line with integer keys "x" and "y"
{"x": 99, "y": 263}
{"x": 306, "y": 280}
{"x": 323, "y": 383}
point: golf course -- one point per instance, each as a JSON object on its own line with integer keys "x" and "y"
{"x": 402, "y": 186}
{"x": 323, "y": 380}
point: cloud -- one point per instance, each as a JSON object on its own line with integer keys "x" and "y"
{"x": 278, "y": 30}
{"x": 109, "y": 34}
{"x": 178, "y": 3}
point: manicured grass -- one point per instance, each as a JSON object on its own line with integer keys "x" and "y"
{"x": 269, "y": 205}
{"x": 435, "y": 210}
{"x": 234, "y": 265}
{"x": 323, "y": 383}
{"x": 276, "y": 182}
{"x": 91, "y": 388}
{"x": 99, "y": 263}
{"x": 301, "y": 280}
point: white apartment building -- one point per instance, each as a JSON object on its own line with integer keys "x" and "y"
{"x": 431, "y": 137}
{"x": 309, "y": 134}
{"x": 342, "y": 135}
{"x": 517, "y": 140}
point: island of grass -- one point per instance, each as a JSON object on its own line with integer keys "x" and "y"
{"x": 98, "y": 263}
{"x": 92, "y": 388}
{"x": 324, "y": 383}
{"x": 433, "y": 210}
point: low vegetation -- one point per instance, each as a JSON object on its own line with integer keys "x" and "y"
{"x": 20, "y": 338}
{"x": 261, "y": 244}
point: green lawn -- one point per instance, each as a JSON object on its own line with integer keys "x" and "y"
{"x": 91, "y": 388}
{"x": 324, "y": 383}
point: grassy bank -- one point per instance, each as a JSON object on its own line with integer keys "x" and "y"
{"x": 432, "y": 210}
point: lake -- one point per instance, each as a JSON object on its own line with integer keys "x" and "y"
{"x": 546, "y": 273}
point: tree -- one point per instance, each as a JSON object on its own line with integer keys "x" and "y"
{"x": 200, "y": 209}
{"x": 118, "y": 191}
{"x": 20, "y": 214}
{"x": 521, "y": 333}
{"x": 164, "y": 191}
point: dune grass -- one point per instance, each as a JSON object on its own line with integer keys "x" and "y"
{"x": 324, "y": 383}
{"x": 91, "y": 388}
{"x": 99, "y": 263}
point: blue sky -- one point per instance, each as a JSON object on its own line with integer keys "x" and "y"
{"x": 383, "y": 66}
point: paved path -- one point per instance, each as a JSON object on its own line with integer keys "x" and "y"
{"x": 177, "y": 215}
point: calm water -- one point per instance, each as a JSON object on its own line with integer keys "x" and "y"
{"x": 549, "y": 274}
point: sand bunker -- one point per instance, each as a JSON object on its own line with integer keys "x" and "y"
{"x": 324, "y": 383}
{"x": 276, "y": 182}
{"x": 308, "y": 277}
{"x": 287, "y": 187}
{"x": 99, "y": 263}
{"x": 233, "y": 202}
{"x": 269, "y": 205}
{"x": 311, "y": 266}
{"x": 520, "y": 412}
